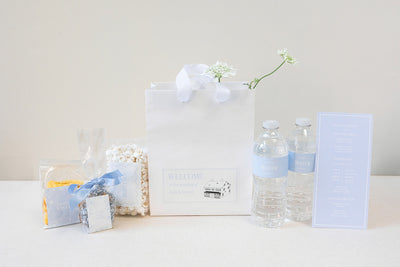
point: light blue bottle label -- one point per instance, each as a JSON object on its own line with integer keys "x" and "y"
{"x": 270, "y": 167}
{"x": 301, "y": 162}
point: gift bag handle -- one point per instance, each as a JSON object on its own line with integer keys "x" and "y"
{"x": 194, "y": 77}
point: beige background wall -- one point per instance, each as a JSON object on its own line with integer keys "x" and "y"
{"x": 71, "y": 64}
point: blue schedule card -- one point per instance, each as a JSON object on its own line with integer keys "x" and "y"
{"x": 342, "y": 170}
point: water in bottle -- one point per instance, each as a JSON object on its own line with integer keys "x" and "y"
{"x": 270, "y": 170}
{"x": 300, "y": 186}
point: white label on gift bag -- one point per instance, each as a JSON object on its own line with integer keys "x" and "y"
{"x": 199, "y": 185}
{"x": 58, "y": 210}
{"x": 99, "y": 215}
{"x": 128, "y": 192}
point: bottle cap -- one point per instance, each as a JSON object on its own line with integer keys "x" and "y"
{"x": 271, "y": 124}
{"x": 303, "y": 122}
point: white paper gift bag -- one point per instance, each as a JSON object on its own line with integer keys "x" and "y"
{"x": 200, "y": 150}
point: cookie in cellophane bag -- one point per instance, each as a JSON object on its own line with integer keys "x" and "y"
{"x": 55, "y": 178}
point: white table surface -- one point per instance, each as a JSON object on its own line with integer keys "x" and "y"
{"x": 196, "y": 240}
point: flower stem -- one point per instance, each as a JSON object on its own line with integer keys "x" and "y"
{"x": 256, "y": 81}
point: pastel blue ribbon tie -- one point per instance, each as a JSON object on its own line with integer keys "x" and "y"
{"x": 79, "y": 194}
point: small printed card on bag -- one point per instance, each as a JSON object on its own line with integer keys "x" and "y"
{"x": 99, "y": 215}
{"x": 128, "y": 192}
{"x": 58, "y": 209}
{"x": 342, "y": 170}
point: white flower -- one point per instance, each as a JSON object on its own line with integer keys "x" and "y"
{"x": 283, "y": 52}
{"x": 221, "y": 70}
{"x": 285, "y": 55}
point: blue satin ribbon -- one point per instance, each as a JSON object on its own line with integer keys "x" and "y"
{"x": 108, "y": 179}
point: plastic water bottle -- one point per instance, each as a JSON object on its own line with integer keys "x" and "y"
{"x": 270, "y": 170}
{"x": 300, "y": 187}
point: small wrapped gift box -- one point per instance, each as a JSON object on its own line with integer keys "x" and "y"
{"x": 96, "y": 203}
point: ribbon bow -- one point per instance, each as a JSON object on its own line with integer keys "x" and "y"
{"x": 108, "y": 179}
{"x": 194, "y": 77}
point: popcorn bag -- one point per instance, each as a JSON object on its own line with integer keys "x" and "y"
{"x": 200, "y": 137}
{"x": 55, "y": 178}
{"x": 130, "y": 158}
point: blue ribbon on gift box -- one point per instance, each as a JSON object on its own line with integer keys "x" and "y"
{"x": 81, "y": 192}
